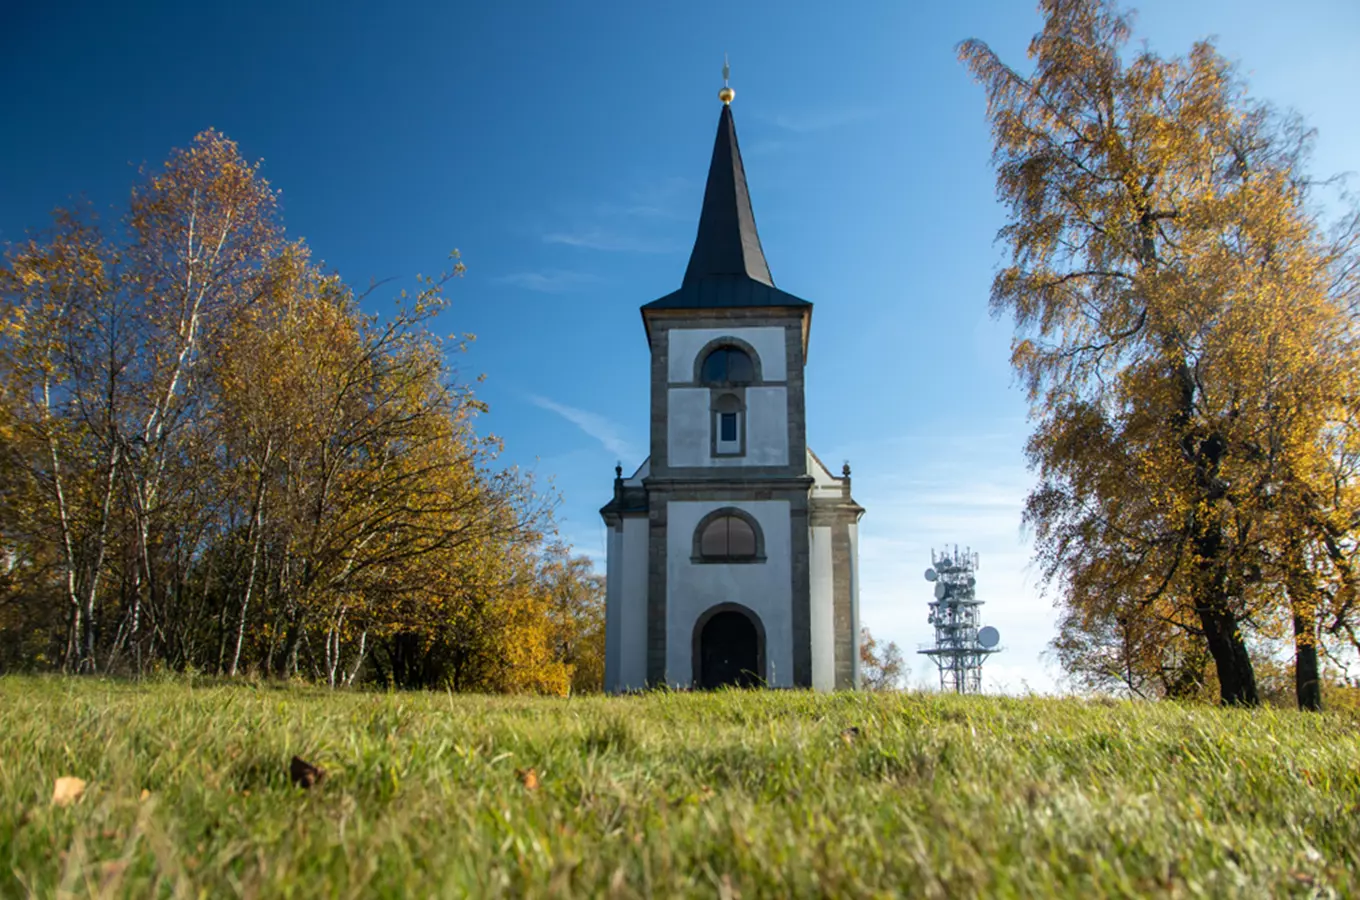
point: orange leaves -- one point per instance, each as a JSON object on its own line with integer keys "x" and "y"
{"x": 67, "y": 790}
{"x": 1186, "y": 343}
{"x": 201, "y": 405}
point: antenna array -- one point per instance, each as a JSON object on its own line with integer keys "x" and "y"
{"x": 960, "y": 645}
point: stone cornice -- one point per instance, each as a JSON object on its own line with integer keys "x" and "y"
{"x": 735, "y": 483}
{"x": 827, "y": 511}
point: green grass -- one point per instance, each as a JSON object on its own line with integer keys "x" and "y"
{"x": 735, "y": 794}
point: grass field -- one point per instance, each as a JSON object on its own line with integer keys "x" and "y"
{"x": 734, "y": 794}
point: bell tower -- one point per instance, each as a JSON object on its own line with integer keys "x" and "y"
{"x": 715, "y": 574}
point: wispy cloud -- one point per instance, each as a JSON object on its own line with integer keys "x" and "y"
{"x": 602, "y": 429}
{"x": 808, "y": 121}
{"x": 595, "y": 238}
{"x": 636, "y": 219}
{"x": 663, "y": 199}
{"x": 552, "y": 281}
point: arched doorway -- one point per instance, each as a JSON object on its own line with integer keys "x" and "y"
{"x": 729, "y": 648}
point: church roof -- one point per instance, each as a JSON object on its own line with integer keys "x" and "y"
{"x": 725, "y": 291}
{"x": 727, "y": 242}
{"x": 727, "y": 266}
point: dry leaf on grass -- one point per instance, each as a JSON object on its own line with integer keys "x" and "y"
{"x": 304, "y": 774}
{"x": 67, "y": 790}
{"x": 528, "y": 778}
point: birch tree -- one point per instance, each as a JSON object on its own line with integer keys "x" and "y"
{"x": 1180, "y": 327}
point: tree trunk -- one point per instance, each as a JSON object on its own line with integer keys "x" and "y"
{"x": 358, "y": 659}
{"x": 1236, "y": 676}
{"x": 1307, "y": 684}
{"x": 87, "y": 661}
{"x": 72, "y": 639}
{"x": 333, "y": 648}
{"x": 291, "y": 643}
{"x": 1222, "y": 631}
{"x": 256, "y": 526}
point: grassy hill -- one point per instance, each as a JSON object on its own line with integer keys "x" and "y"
{"x": 734, "y": 794}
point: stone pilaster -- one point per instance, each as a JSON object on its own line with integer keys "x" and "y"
{"x": 801, "y": 614}
{"x": 656, "y": 590}
{"x": 842, "y": 614}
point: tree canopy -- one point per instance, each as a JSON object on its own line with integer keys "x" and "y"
{"x": 214, "y": 458}
{"x": 1185, "y": 328}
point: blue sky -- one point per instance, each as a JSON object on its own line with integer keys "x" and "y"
{"x": 561, "y": 147}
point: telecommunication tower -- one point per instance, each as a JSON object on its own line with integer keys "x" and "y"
{"x": 960, "y": 645}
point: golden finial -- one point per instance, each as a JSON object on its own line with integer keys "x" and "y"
{"x": 726, "y": 94}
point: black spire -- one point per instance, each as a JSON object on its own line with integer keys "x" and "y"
{"x": 727, "y": 242}
{"x": 727, "y": 268}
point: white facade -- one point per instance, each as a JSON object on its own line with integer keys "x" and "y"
{"x": 626, "y": 622}
{"x": 690, "y": 430}
{"x": 823, "y": 620}
{"x": 694, "y": 587}
{"x": 687, "y": 343}
{"x": 731, "y": 548}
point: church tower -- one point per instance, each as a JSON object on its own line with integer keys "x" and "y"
{"x": 732, "y": 555}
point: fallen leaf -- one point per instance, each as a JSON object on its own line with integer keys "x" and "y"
{"x": 67, "y": 790}
{"x": 527, "y": 777}
{"x": 146, "y": 795}
{"x": 305, "y": 774}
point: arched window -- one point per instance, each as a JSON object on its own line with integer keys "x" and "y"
{"x": 728, "y": 535}
{"x": 727, "y": 365}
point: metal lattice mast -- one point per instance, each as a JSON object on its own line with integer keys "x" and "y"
{"x": 960, "y": 645}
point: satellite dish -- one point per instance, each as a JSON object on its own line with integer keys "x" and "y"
{"x": 972, "y": 581}
{"x": 931, "y": 575}
{"x": 939, "y": 590}
{"x": 988, "y": 637}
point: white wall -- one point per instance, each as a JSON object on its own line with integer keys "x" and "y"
{"x": 613, "y": 608}
{"x": 823, "y": 614}
{"x": 854, "y": 601}
{"x": 629, "y": 636}
{"x": 684, "y": 345}
{"x": 764, "y": 588}
{"x": 824, "y": 484}
{"x": 635, "y": 480}
{"x": 690, "y": 425}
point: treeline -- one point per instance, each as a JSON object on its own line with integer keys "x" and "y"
{"x": 1186, "y": 320}
{"x": 212, "y": 459}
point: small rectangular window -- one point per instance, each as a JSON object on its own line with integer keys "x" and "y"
{"x": 728, "y": 429}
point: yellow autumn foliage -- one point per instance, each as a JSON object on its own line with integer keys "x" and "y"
{"x": 1184, "y": 327}
{"x": 216, "y": 458}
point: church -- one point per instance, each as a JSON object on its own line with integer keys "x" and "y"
{"x": 732, "y": 550}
